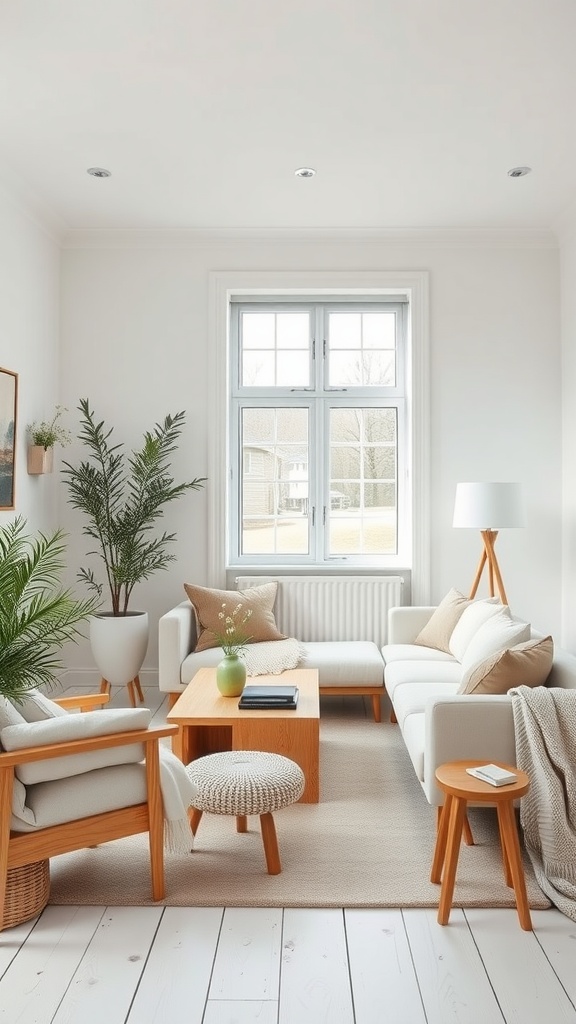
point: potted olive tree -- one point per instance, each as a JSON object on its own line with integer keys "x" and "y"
{"x": 122, "y": 498}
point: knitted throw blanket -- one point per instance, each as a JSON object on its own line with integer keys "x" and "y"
{"x": 178, "y": 792}
{"x": 545, "y": 729}
{"x": 273, "y": 656}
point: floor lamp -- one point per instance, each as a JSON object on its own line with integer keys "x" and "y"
{"x": 489, "y": 507}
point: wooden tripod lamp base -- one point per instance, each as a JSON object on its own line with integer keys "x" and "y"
{"x": 488, "y": 557}
{"x": 500, "y": 504}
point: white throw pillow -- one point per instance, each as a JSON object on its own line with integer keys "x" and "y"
{"x": 469, "y": 623}
{"x": 499, "y": 633}
{"x": 75, "y": 727}
{"x": 35, "y": 707}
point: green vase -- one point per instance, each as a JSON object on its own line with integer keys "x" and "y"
{"x": 231, "y": 675}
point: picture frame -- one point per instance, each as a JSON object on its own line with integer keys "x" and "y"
{"x": 8, "y": 425}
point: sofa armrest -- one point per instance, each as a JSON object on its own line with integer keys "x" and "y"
{"x": 463, "y": 727}
{"x": 404, "y": 623}
{"x": 176, "y": 639}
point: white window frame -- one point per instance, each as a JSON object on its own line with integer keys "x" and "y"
{"x": 227, "y": 285}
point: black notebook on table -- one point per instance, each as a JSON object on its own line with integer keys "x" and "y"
{"x": 262, "y": 697}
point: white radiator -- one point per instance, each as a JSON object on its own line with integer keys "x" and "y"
{"x": 332, "y": 607}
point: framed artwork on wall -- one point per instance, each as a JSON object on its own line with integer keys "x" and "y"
{"x": 8, "y": 411}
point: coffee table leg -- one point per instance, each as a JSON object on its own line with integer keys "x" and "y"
{"x": 509, "y": 833}
{"x": 457, "y": 812}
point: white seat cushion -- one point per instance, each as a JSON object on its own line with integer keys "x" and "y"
{"x": 412, "y": 698}
{"x": 339, "y": 663}
{"x": 413, "y": 652}
{"x": 345, "y": 663}
{"x": 429, "y": 673}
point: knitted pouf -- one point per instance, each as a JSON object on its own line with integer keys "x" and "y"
{"x": 243, "y": 782}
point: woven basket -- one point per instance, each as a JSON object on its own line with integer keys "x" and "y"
{"x": 27, "y": 892}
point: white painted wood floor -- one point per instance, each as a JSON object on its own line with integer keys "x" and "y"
{"x": 144, "y": 965}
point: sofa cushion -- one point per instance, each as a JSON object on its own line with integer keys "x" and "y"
{"x": 412, "y": 698}
{"x": 345, "y": 662}
{"x": 429, "y": 673}
{"x": 339, "y": 662}
{"x": 440, "y": 626}
{"x": 409, "y": 652}
{"x": 499, "y": 632}
{"x": 9, "y": 715}
{"x": 75, "y": 727}
{"x": 208, "y": 606}
{"x": 526, "y": 664}
{"x": 474, "y": 616}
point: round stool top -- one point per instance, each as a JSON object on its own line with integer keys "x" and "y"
{"x": 245, "y": 782}
{"x": 454, "y": 779}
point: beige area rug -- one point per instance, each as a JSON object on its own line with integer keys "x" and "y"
{"x": 369, "y": 843}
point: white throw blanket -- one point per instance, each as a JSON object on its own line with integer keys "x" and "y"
{"x": 545, "y": 729}
{"x": 270, "y": 657}
{"x": 178, "y": 792}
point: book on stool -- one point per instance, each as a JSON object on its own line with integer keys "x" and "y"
{"x": 493, "y": 774}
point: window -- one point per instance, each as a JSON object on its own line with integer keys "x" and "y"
{"x": 318, "y": 433}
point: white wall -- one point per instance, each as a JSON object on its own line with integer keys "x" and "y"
{"x": 29, "y": 345}
{"x": 568, "y": 281}
{"x": 134, "y": 340}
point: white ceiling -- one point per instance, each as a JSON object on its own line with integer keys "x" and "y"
{"x": 412, "y": 111}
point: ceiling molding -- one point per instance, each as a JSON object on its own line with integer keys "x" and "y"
{"x": 173, "y": 238}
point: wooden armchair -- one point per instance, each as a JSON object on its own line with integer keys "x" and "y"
{"x": 18, "y": 848}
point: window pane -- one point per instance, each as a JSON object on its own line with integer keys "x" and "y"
{"x": 258, "y": 370}
{"x": 293, "y": 370}
{"x": 362, "y": 349}
{"x": 258, "y": 330}
{"x": 275, "y": 349}
{"x": 363, "y": 461}
{"x": 293, "y": 330}
{"x": 274, "y": 493}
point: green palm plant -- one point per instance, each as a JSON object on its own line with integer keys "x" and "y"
{"x": 122, "y": 498}
{"x": 37, "y": 614}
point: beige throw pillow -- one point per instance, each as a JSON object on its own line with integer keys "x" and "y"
{"x": 208, "y": 605}
{"x": 527, "y": 664}
{"x": 440, "y": 626}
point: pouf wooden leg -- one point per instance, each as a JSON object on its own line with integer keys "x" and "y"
{"x": 194, "y": 817}
{"x": 241, "y": 823}
{"x": 270, "y": 844}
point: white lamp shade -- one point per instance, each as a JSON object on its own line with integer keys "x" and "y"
{"x": 489, "y": 506}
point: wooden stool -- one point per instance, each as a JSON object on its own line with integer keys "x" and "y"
{"x": 459, "y": 788}
{"x": 244, "y": 782}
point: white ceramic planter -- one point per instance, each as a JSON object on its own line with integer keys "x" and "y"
{"x": 119, "y": 644}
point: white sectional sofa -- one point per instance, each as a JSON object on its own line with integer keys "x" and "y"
{"x": 439, "y": 724}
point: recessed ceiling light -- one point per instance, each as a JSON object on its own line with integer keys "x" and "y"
{"x": 518, "y": 172}
{"x": 304, "y": 172}
{"x": 99, "y": 172}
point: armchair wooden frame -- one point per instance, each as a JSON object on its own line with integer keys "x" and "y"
{"x": 20, "y": 848}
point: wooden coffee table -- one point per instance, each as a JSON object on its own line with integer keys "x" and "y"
{"x": 209, "y": 723}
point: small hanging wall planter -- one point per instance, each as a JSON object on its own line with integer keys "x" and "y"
{"x": 43, "y": 436}
{"x": 40, "y": 459}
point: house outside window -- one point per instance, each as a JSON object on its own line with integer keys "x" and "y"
{"x": 318, "y": 441}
